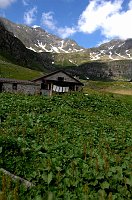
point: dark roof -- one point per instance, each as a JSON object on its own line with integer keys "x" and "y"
{"x": 9, "y": 80}
{"x": 55, "y": 72}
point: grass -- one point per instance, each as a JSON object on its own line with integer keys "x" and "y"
{"x": 8, "y": 70}
{"x": 123, "y": 87}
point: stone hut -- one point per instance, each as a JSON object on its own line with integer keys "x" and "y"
{"x": 19, "y": 86}
{"x": 58, "y": 82}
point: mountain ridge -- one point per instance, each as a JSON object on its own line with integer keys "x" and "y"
{"x": 38, "y": 40}
{"x": 88, "y": 63}
{"x": 15, "y": 51}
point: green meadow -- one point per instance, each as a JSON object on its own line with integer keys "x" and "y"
{"x": 73, "y": 146}
{"x": 9, "y": 70}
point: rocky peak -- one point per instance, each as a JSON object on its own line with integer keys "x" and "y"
{"x": 38, "y": 40}
{"x": 15, "y": 51}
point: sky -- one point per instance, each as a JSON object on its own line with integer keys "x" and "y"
{"x": 89, "y": 23}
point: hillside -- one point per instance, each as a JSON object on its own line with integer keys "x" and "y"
{"x": 68, "y": 146}
{"x": 14, "y": 51}
{"x": 112, "y": 70}
{"x": 10, "y": 70}
{"x": 39, "y": 40}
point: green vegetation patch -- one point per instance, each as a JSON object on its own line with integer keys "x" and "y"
{"x": 8, "y": 70}
{"x": 72, "y": 146}
{"x": 107, "y": 85}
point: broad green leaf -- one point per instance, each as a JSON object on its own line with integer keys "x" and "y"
{"x": 50, "y": 196}
{"x": 49, "y": 177}
{"x": 105, "y": 185}
{"x": 129, "y": 181}
{"x": 38, "y": 198}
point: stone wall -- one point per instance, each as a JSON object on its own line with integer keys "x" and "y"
{"x": 21, "y": 88}
{"x": 46, "y": 92}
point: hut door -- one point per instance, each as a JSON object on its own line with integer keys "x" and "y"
{"x": 1, "y": 86}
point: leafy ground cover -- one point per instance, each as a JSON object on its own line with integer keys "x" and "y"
{"x": 72, "y": 146}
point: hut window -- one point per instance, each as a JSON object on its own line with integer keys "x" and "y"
{"x": 14, "y": 86}
{"x": 60, "y": 78}
{"x": 44, "y": 86}
{"x": 1, "y": 87}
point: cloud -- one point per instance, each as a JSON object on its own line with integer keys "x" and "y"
{"x": 6, "y": 3}
{"x": 118, "y": 25}
{"x": 96, "y": 12}
{"x": 103, "y": 41}
{"x": 30, "y": 16}
{"x": 66, "y": 31}
{"x": 49, "y": 22}
{"x": 108, "y": 17}
{"x": 25, "y": 2}
{"x": 130, "y": 5}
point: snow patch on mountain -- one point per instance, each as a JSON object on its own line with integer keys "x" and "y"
{"x": 36, "y": 26}
{"x": 95, "y": 56}
{"x": 78, "y": 50}
{"x": 121, "y": 44}
{"x": 110, "y": 56}
{"x": 55, "y": 49}
{"x": 40, "y": 44}
{"x": 102, "y": 51}
{"x": 111, "y": 47}
{"x": 128, "y": 54}
{"x": 120, "y": 55}
{"x": 31, "y": 49}
{"x": 62, "y": 44}
{"x": 62, "y": 50}
{"x": 72, "y": 62}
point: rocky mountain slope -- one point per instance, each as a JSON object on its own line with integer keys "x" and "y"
{"x": 112, "y": 70}
{"x": 109, "y": 61}
{"x": 14, "y": 50}
{"x": 39, "y": 40}
{"x": 113, "y": 50}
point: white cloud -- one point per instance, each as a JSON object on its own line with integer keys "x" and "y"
{"x": 96, "y": 12}
{"x": 130, "y": 5}
{"x": 66, "y": 31}
{"x": 108, "y": 17}
{"x": 118, "y": 25}
{"x": 6, "y": 3}
{"x": 48, "y": 20}
{"x": 30, "y": 16}
{"x": 25, "y": 2}
{"x": 103, "y": 41}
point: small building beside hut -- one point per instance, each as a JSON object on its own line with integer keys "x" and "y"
{"x": 55, "y": 82}
{"x": 58, "y": 82}
{"x": 19, "y": 86}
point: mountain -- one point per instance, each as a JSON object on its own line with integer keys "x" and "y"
{"x": 14, "y": 51}
{"x": 113, "y": 50}
{"x": 109, "y": 61}
{"x": 39, "y": 40}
